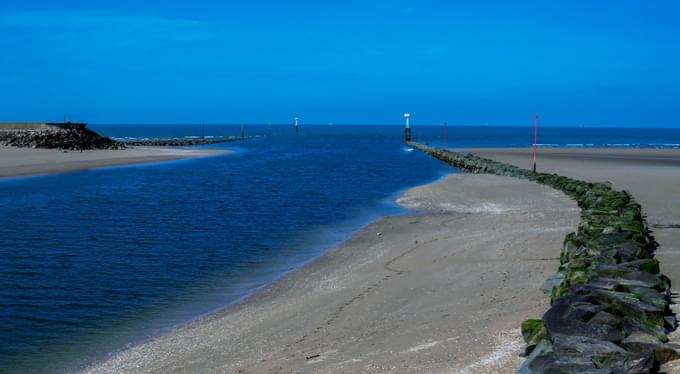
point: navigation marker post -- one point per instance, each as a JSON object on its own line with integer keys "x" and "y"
{"x": 407, "y": 130}
{"x": 535, "y": 138}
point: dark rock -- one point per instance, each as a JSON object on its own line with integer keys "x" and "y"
{"x": 630, "y": 325}
{"x": 642, "y": 342}
{"x": 630, "y": 363}
{"x": 553, "y": 364}
{"x": 565, "y": 345}
{"x": 563, "y": 318}
{"x": 627, "y": 304}
{"x": 604, "y": 318}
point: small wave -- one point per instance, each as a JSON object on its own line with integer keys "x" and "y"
{"x": 667, "y": 145}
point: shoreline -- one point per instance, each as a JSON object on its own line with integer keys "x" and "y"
{"x": 26, "y": 162}
{"x": 313, "y": 283}
{"x": 327, "y": 261}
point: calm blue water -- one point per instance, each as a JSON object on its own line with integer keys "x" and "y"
{"x": 95, "y": 260}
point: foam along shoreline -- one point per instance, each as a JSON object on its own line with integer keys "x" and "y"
{"x": 15, "y": 161}
{"x": 444, "y": 288}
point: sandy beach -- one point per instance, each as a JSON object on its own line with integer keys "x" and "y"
{"x": 27, "y": 161}
{"x": 651, "y": 175}
{"x": 443, "y": 289}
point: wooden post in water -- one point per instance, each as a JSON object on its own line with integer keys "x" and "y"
{"x": 535, "y": 138}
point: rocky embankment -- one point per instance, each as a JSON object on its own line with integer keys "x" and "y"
{"x": 75, "y": 139}
{"x": 609, "y": 303}
{"x": 180, "y": 142}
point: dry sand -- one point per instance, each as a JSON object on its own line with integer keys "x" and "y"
{"x": 651, "y": 175}
{"x": 27, "y": 161}
{"x": 441, "y": 290}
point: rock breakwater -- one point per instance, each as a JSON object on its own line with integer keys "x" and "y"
{"x": 609, "y": 302}
{"x": 180, "y": 142}
{"x": 74, "y": 139}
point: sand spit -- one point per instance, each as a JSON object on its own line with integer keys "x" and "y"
{"x": 439, "y": 290}
{"x": 16, "y": 161}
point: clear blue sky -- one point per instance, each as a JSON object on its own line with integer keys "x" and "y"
{"x": 576, "y": 62}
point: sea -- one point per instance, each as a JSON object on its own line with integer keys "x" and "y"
{"x": 93, "y": 262}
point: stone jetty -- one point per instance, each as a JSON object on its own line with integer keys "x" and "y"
{"x": 65, "y": 136}
{"x": 180, "y": 142}
{"x": 609, "y": 302}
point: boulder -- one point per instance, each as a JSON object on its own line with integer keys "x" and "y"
{"x": 568, "y": 314}
{"x": 642, "y": 342}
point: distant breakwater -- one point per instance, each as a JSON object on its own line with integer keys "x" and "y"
{"x": 74, "y": 138}
{"x": 609, "y": 302}
{"x": 181, "y": 142}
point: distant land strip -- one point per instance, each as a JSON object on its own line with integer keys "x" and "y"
{"x": 610, "y": 305}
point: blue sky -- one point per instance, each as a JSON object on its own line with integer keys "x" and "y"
{"x": 577, "y": 62}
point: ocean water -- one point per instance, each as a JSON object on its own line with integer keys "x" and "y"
{"x": 456, "y": 136}
{"x": 93, "y": 261}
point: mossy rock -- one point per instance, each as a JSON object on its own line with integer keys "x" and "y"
{"x": 534, "y": 330}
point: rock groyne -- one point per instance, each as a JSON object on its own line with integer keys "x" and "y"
{"x": 75, "y": 138}
{"x": 180, "y": 142}
{"x": 609, "y": 302}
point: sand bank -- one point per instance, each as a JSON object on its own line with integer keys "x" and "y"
{"x": 27, "y": 161}
{"x": 441, "y": 290}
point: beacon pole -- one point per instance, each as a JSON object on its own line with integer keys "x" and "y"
{"x": 407, "y": 129}
{"x": 535, "y": 138}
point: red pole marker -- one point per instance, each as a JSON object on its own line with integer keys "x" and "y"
{"x": 535, "y": 138}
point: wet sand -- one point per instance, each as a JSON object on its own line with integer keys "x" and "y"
{"x": 27, "y": 161}
{"x": 443, "y": 289}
